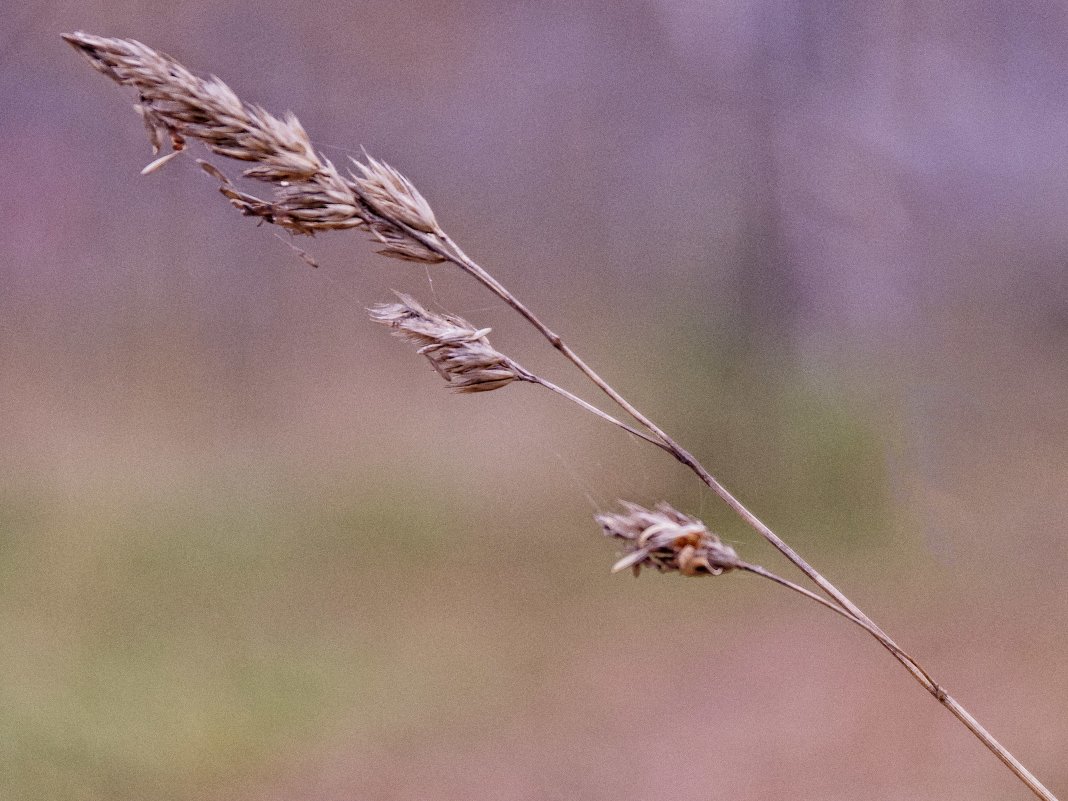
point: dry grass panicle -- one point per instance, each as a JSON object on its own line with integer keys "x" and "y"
{"x": 310, "y": 194}
{"x": 457, "y": 350}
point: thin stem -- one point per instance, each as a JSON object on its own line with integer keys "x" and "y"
{"x": 922, "y": 676}
{"x": 589, "y": 407}
{"x": 887, "y": 643}
{"x": 454, "y": 254}
{"x": 445, "y": 247}
{"x": 765, "y": 573}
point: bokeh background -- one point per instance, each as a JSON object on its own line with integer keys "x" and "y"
{"x": 251, "y": 549}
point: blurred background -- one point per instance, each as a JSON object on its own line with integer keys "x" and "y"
{"x": 251, "y": 549}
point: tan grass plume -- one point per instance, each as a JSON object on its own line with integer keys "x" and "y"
{"x": 310, "y": 194}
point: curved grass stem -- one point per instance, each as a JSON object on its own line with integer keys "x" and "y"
{"x": 589, "y": 407}
{"x": 451, "y": 252}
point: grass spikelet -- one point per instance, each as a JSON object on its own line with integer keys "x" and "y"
{"x": 459, "y": 352}
{"x": 667, "y": 540}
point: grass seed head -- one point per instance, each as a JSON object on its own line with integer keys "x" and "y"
{"x": 393, "y": 196}
{"x": 310, "y": 194}
{"x": 459, "y": 352}
{"x": 667, "y": 540}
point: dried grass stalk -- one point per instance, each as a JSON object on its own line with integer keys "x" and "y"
{"x": 310, "y": 196}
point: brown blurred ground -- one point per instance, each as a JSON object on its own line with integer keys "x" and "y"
{"x": 250, "y": 549}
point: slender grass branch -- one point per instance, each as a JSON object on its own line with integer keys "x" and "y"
{"x": 449, "y": 251}
{"x": 589, "y": 407}
{"x": 887, "y": 643}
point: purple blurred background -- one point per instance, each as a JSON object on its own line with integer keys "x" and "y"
{"x": 251, "y": 549}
